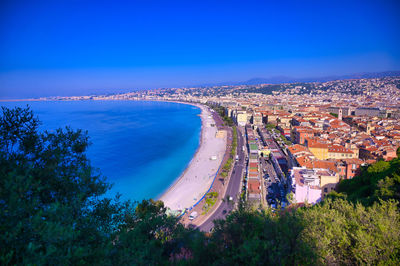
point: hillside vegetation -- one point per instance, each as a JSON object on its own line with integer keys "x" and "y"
{"x": 54, "y": 213}
{"x": 379, "y": 181}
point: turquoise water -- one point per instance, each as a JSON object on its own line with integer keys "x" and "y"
{"x": 141, "y": 147}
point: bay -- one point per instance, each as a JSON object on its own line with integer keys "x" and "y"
{"x": 142, "y": 147}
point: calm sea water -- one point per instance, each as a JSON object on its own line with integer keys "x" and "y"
{"x": 141, "y": 147}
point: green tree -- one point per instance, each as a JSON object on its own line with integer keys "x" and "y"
{"x": 249, "y": 237}
{"x": 52, "y": 212}
{"x": 334, "y": 114}
{"x": 377, "y": 181}
{"x": 148, "y": 237}
{"x": 346, "y": 234}
{"x": 290, "y": 198}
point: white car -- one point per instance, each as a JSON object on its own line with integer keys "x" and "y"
{"x": 193, "y": 215}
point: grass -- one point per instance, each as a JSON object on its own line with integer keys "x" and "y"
{"x": 228, "y": 165}
{"x": 211, "y": 199}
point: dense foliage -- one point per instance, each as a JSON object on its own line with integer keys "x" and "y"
{"x": 54, "y": 212}
{"x": 52, "y": 205}
{"x": 222, "y": 113}
{"x": 377, "y": 181}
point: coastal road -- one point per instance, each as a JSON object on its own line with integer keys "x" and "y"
{"x": 233, "y": 189}
{"x": 275, "y": 187}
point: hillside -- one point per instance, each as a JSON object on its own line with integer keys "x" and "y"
{"x": 54, "y": 212}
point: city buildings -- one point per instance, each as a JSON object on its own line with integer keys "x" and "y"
{"x": 313, "y": 134}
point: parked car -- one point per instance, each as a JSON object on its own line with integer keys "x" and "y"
{"x": 193, "y": 215}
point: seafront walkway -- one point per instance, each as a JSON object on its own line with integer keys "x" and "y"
{"x": 200, "y": 174}
{"x": 233, "y": 188}
{"x": 220, "y": 185}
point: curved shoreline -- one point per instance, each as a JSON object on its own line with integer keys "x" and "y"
{"x": 196, "y": 179}
{"x": 194, "y": 155}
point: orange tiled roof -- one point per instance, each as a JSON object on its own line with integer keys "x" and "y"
{"x": 254, "y": 186}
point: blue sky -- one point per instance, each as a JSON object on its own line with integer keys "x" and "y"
{"x": 81, "y": 47}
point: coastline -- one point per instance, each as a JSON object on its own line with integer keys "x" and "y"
{"x": 194, "y": 155}
{"x": 196, "y": 179}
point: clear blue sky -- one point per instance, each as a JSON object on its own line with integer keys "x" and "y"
{"x": 78, "y": 47}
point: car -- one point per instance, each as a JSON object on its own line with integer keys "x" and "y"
{"x": 224, "y": 212}
{"x": 193, "y": 215}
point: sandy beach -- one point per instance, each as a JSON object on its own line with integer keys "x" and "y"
{"x": 199, "y": 174}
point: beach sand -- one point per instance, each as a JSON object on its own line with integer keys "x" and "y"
{"x": 199, "y": 174}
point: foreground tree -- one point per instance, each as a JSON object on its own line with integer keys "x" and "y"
{"x": 345, "y": 234}
{"x": 335, "y": 232}
{"x": 52, "y": 212}
{"x": 251, "y": 237}
{"x": 379, "y": 181}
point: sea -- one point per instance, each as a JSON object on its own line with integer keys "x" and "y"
{"x": 141, "y": 147}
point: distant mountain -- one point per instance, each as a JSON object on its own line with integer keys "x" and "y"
{"x": 285, "y": 79}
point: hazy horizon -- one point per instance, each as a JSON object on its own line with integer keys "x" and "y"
{"x": 68, "y": 48}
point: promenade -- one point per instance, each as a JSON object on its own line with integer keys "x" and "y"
{"x": 198, "y": 177}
